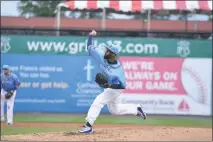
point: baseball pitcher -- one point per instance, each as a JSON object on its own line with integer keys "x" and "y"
{"x": 112, "y": 79}
{"x": 9, "y": 85}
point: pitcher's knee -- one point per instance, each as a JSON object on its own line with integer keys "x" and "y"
{"x": 114, "y": 112}
{"x": 98, "y": 104}
{"x": 113, "y": 109}
{"x": 8, "y": 107}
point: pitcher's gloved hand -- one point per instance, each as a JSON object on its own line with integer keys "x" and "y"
{"x": 101, "y": 80}
{"x": 9, "y": 94}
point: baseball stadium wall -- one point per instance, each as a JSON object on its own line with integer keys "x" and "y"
{"x": 166, "y": 76}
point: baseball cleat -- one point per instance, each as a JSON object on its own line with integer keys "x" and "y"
{"x": 141, "y": 113}
{"x": 9, "y": 124}
{"x": 85, "y": 130}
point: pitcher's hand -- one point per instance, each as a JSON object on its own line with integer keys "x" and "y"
{"x": 93, "y": 33}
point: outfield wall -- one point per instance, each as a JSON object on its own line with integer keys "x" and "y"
{"x": 166, "y": 76}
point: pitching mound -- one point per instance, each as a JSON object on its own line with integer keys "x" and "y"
{"x": 118, "y": 133}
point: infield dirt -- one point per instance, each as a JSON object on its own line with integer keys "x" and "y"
{"x": 113, "y": 132}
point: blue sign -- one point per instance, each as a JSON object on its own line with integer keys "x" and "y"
{"x": 54, "y": 83}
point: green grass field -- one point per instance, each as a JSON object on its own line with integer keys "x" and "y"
{"x": 165, "y": 121}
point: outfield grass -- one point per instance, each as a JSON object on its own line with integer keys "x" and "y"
{"x": 117, "y": 120}
{"x": 166, "y": 121}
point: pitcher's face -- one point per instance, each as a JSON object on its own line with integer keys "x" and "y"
{"x": 108, "y": 54}
{"x": 6, "y": 72}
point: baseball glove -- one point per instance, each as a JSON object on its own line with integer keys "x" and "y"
{"x": 9, "y": 95}
{"x": 100, "y": 79}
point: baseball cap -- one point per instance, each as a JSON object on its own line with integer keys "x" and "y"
{"x": 5, "y": 67}
{"x": 113, "y": 48}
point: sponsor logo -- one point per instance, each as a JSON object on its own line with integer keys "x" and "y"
{"x": 5, "y": 44}
{"x": 88, "y": 69}
{"x": 88, "y": 87}
{"x": 183, "y": 106}
{"x": 183, "y": 48}
{"x": 75, "y": 47}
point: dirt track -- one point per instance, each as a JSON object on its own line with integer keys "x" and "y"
{"x": 115, "y": 133}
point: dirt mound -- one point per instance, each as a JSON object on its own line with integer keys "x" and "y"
{"x": 116, "y": 133}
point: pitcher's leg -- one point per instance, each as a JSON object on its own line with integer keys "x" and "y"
{"x": 2, "y": 108}
{"x": 121, "y": 109}
{"x": 96, "y": 107}
{"x": 2, "y": 103}
{"x": 95, "y": 110}
{"x": 10, "y": 106}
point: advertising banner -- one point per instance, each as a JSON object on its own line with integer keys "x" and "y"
{"x": 153, "y": 75}
{"x": 166, "y": 76}
{"x": 169, "y": 85}
{"x": 54, "y": 83}
{"x": 73, "y": 45}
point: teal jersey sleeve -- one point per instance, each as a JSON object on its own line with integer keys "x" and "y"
{"x": 95, "y": 52}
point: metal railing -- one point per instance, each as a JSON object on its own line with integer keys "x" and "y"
{"x": 104, "y": 33}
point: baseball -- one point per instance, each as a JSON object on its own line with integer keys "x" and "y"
{"x": 193, "y": 79}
